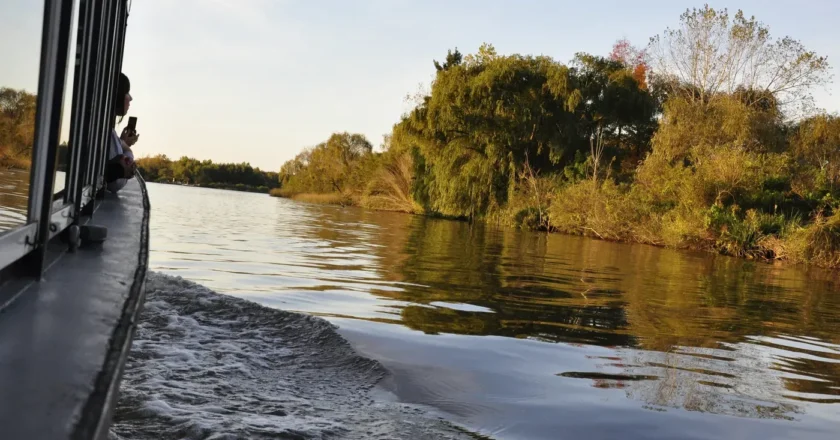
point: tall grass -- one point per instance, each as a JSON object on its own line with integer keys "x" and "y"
{"x": 390, "y": 187}
{"x": 16, "y": 163}
{"x": 281, "y": 192}
{"x": 607, "y": 211}
{"x": 324, "y": 199}
{"x": 818, "y": 243}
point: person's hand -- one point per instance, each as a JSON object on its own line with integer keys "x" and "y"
{"x": 130, "y": 137}
{"x": 120, "y": 167}
{"x": 128, "y": 166}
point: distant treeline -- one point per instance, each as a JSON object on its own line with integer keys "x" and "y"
{"x": 189, "y": 171}
{"x": 17, "y": 132}
{"x": 706, "y": 139}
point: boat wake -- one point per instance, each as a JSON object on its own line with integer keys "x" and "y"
{"x": 210, "y": 366}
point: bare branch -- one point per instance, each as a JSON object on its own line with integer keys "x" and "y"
{"x": 711, "y": 53}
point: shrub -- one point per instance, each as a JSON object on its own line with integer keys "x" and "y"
{"x": 818, "y": 243}
{"x": 593, "y": 208}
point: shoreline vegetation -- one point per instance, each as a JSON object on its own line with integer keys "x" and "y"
{"x": 17, "y": 128}
{"x": 15, "y": 163}
{"x": 187, "y": 171}
{"x": 321, "y": 198}
{"x": 640, "y": 145}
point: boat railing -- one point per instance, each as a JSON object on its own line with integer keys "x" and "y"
{"x": 81, "y": 47}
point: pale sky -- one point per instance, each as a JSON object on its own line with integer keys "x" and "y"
{"x": 258, "y": 80}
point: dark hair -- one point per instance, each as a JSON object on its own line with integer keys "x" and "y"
{"x": 123, "y": 87}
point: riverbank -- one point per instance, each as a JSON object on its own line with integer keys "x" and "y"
{"x": 600, "y": 211}
{"x": 324, "y": 199}
{"x": 607, "y": 147}
{"x": 14, "y": 163}
{"x": 225, "y": 186}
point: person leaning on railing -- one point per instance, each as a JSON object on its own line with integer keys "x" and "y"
{"x": 121, "y": 166}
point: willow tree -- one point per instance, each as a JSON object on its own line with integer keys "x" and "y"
{"x": 486, "y": 116}
{"x": 330, "y": 166}
{"x": 491, "y": 117}
{"x": 342, "y": 153}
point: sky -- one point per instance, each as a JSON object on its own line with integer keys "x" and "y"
{"x": 259, "y": 80}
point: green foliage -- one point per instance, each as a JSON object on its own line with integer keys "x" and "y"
{"x": 638, "y": 146}
{"x": 600, "y": 209}
{"x": 817, "y": 243}
{"x": 482, "y": 120}
{"x": 189, "y": 171}
{"x": 724, "y": 122}
{"x": 339, "y": 165}
{"x": 488, "y": 116}
{"x": 576, "y": 170}
{"x": 709, "y": 161}
{"x": 743, "y": 235}
{"x": 17, "y": 127}
{"x": 530, "y": 202}
{"x": 615, "y": 112}
{"x": 452, "y": 59}
{"x": 816, "y": 148}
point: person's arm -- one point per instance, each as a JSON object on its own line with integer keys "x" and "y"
{"x": 127, "y": 140}
{"x": 117, "y": 172}
{"x": 126, "y": 149}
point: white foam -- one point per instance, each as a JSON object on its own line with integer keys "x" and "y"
{"x": 463, "y": 307}
{"x": 210, "y": 366}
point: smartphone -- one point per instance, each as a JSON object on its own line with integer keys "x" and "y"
{"x": 132, "y": 123}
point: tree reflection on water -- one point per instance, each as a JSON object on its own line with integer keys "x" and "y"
{"x": 693, "y": 331}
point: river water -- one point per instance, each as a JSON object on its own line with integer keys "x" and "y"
{"x": 509, "y": 334}
{"x": 14, "y": 197}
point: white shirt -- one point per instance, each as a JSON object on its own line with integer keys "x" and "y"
{"x": 115, "y": 149}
